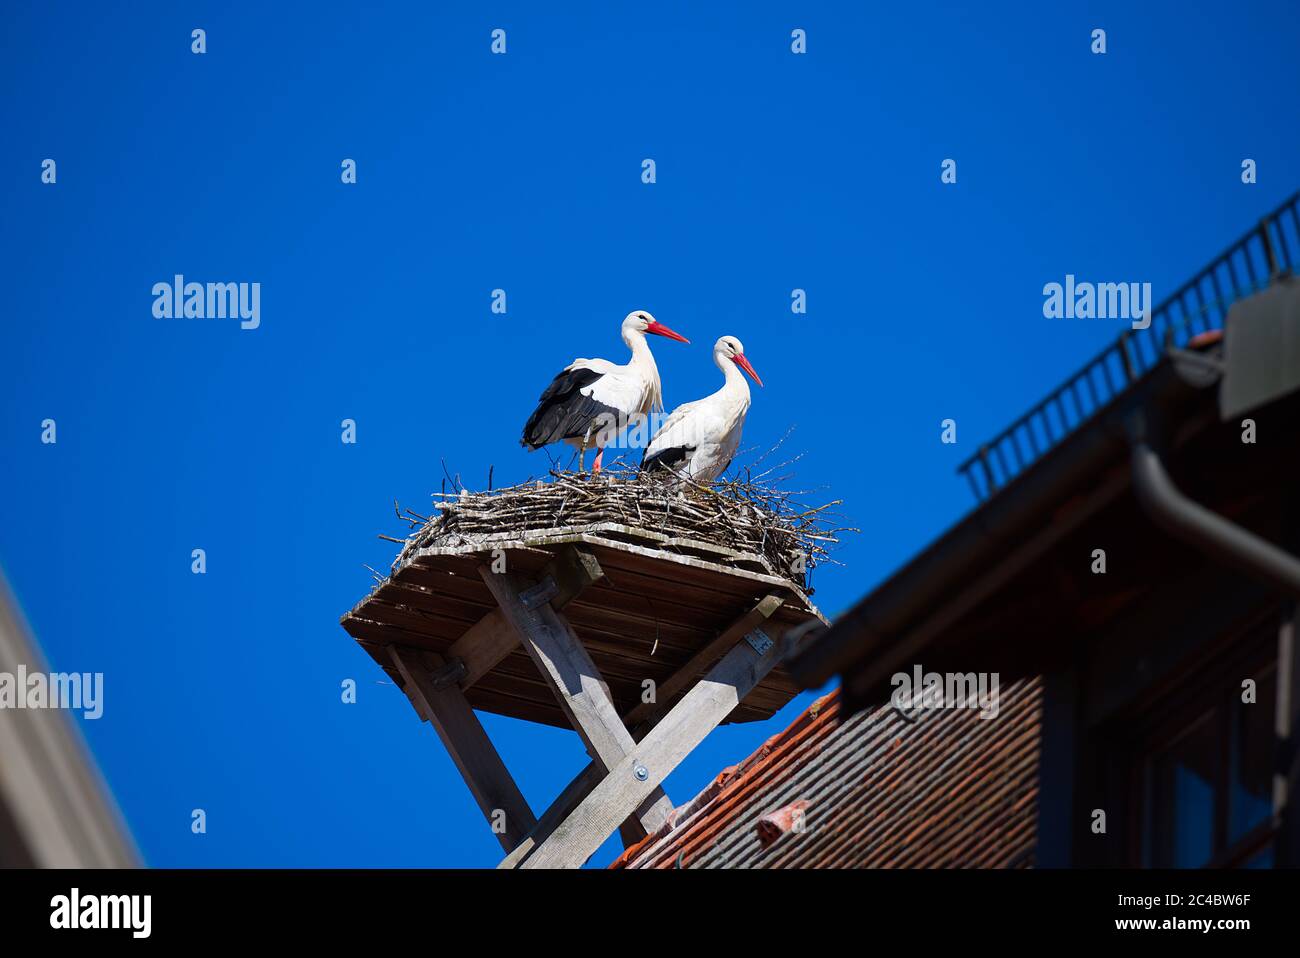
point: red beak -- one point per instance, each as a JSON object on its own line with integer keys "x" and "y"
{"x": 743, "y": 363}
{"x": 659, "y": 329}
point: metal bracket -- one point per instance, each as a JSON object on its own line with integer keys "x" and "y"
{"x": 448, "y": 674}
{"x": 543, "y": 592}
{"x": 758, "y": 640}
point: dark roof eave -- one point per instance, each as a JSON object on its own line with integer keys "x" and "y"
{"x": 988, "y": 535}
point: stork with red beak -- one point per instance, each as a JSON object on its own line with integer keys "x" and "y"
{"x": 699, "y": 439}
{"x": 592, "y": 400}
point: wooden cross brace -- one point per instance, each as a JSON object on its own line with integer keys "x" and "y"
{"x": 626, "y": 785}
{"x": 578, "y": 686}
{"x": 621, "y": 788}
{"x": 465, "y": 739}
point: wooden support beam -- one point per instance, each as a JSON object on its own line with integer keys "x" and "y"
{"x": 483, "y": 646}
{"x": 565, "y": 664}
{"x": 637, "y": 776}
{"x": 492, "y": 638}
{"x": 578, "y": 685}
{"x": 648, "y": 712}
{"x": 469, "y": 746}
{"x": 560, "y": 809}
{"x": 564, "y": 804}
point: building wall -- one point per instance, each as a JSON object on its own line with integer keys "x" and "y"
{"x": 54, "y": 809}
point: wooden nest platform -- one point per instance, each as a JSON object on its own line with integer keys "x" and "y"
{"x": 640, "y": 615}
{"x": 668, "y": 588}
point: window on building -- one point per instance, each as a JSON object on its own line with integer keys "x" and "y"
{"x": 1205, "y": 774}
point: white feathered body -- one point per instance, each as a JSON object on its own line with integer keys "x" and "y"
{"x": 699, "y": 439}
{"x": 590, "y": 400}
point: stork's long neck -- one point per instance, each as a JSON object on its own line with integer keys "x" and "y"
{"x": 643, "y": 362}
{"x": 734, "y": 385}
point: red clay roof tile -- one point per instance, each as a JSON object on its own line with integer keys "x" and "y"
{"x": 934, "y": 788}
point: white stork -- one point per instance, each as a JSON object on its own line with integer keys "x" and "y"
{"x": 592, "y": 399}
{"x": 699, "y": 439}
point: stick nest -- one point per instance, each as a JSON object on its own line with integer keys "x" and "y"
{"x": 744, "y": 514}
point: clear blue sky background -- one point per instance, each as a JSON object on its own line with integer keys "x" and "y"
{"x": 522, "y": 171}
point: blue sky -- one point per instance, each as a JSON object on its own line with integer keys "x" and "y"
{"x": 522, "y": 172}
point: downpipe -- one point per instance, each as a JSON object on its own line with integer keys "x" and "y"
{"x": 1205, "y": 530}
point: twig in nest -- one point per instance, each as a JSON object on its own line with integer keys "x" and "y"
{"x": 741, "y": 512}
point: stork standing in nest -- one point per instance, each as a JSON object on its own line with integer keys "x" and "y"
{"x": 591, "y": 400}
{"x": 699, "y": 439}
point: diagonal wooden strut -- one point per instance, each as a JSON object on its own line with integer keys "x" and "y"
{"x": 649, "y": 712}
{"x": 559, "y": 810}
{"x": 647, "y": 716}
{"x": 492, "y": 638}
{"x": 636, "y": 777}
{"x": 578, "y": 685}
{"x": 469, "y": 746}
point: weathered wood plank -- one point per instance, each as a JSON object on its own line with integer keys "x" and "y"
{"x": 515, "y": 687}
{"x": 688, "y": 673}
{"x": 445, "y": 605}
{"x": 469, "y": 746}
{"x": 442, "y": 582}
{"x": 559, "y": 810}
{"x": 645, "y": 620}
{"x": 573, "y": 569}
{"x": 724, "y": 577}
{"x": 677, "y": 594}
{"x": 484, "y": 645}
{"x": 649, "y": 763}
{"x": 577, "y": 683}
{"x": 493, "y": 638}
{"x": 563, "y": 661}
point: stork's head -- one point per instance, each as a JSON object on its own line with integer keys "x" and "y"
{"x": 641, "y": 322}
{"x": 729, "y": 349}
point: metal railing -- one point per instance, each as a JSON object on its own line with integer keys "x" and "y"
{"x": 1200, "y": 305}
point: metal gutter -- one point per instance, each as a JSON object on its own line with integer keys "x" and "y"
{"x": 1204, "y": 529}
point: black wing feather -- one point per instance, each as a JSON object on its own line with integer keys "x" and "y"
{"x": 665, "y": 458}
{"x": 563, "y": 412}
